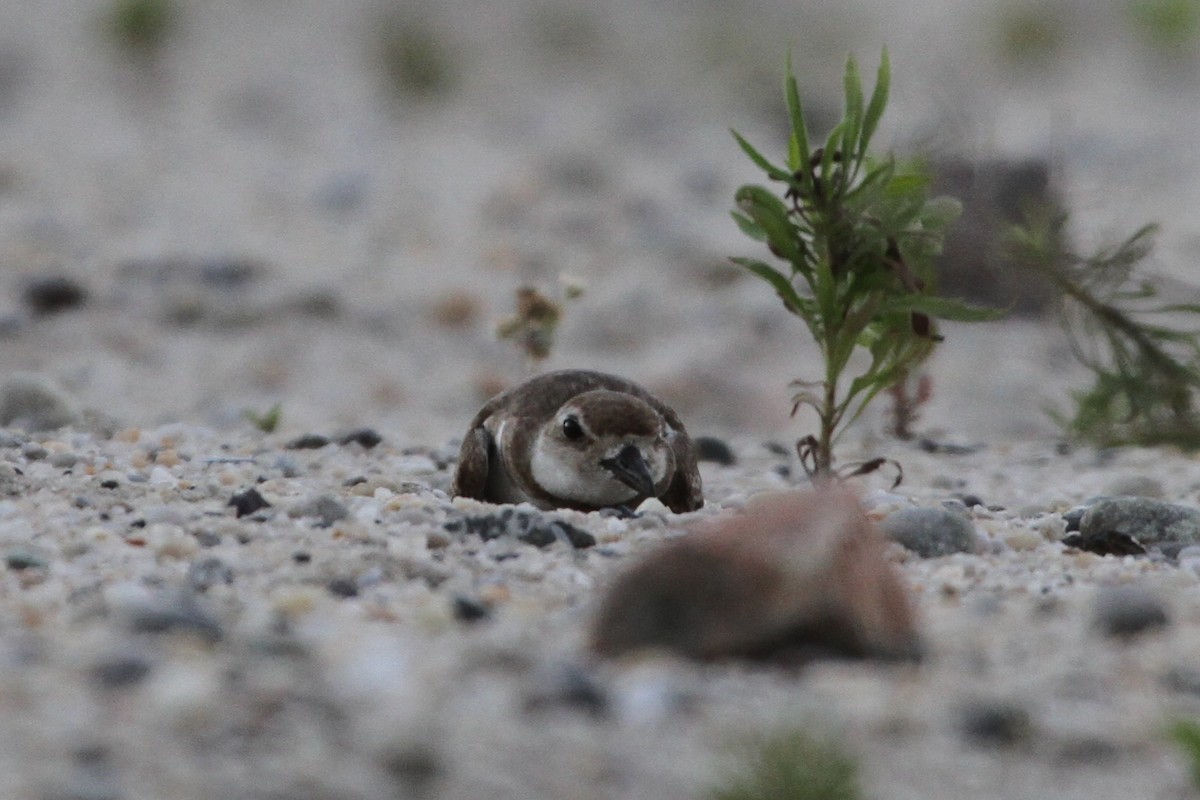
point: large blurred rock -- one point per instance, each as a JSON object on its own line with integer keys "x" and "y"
{"x": 995, "y": 194}
{"x": 792, "y": 576}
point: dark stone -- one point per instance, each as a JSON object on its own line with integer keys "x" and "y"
{"x": 53, "y": 294}
{"x": 971, "y": 500}
{"x": 178, "y": 615}
{"x": 948, "y": 448}
{"x": 119, "y": 672}
{"x": 995, "y": 194}
{"x": 777, "y": 449}
{"x": 209, "y": 572}
{"x": 468, "y": 609}
{"x": 248, "y": 501}
{"x": 1125, "y": 611}
{"x": 1105, "y": 543}
{"x": 366, "y": 437}
{"x": 302, "y": 557}
{"x": 227, "y": 273}
{"x": 931, "y": 532}
{"x": 531, "y": 528}
{"x": 308, "y": 441}
{"x": 23, "y": 559}
{"x": 568, "y": 686}
{"x": 1150, "y": 522}
{"x": 343, "y": 587}
{"x": 710, "y": 448}
{"x": 996, "y": 724}
{"x": 207, "y": 538}
{"x": 415, "y": 768}
{"x": 109, "y": 484}
{"x": 1074, "y": 517}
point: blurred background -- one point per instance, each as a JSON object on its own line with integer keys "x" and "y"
{"x": 214, "y": 206}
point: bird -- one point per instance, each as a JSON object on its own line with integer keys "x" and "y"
{"x": 578, "y": 439}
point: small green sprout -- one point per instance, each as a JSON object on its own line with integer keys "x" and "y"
{"x": 268, "y": 421}
{"x": 792, "y": 765}
{"x": 857, "y": 237}
{"x": 141, "y": 26}
{"x": 536, "y": 320}
{"x": 1186, "y": 734}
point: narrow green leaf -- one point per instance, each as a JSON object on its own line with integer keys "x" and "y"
{"x": 795, "y": 303}
{"x": 879, "y": 99}
{"x": 942, "y": 307}
{"x": 774, "y": 172}
{"x": 796, "y": 157}
{"x": 796, "y": 112}
{"x": 854, "y": 96}
{"x": 770, "y": 214}
{"x": 749, "y": 227}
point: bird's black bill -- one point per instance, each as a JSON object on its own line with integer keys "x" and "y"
{"x": 631, "y": 469}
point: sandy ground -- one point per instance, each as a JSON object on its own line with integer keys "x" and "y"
{"x": 259, "y": 217}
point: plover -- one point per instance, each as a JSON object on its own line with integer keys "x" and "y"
{"x": 578, "y": 439}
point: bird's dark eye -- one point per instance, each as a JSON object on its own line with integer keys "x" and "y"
{"x": 572, "y": 429}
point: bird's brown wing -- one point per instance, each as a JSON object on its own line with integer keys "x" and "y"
{"x": 471, "y": 477}
{"x": 686, "y": 491}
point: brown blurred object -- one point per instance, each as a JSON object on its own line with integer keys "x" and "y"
{"x": 533, "y": 326}
{"x": 456, "y": 310}
{"x": 792, "y": 576}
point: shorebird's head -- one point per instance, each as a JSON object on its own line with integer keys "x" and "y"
{"x": 603, "y": 448}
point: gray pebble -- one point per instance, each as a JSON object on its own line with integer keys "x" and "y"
{"x": 326, "y": 508}
{"x": 34, "y": 451}
{"x": 209, "y": 572}
{"x": 63, "y": 460}
{"x": 1150, "y": 522}
{"x": 931, "y": 532}
{"x": 33, "y": 402}
{"x": 1128, "y": 610}
{"x": 996, "y": 724}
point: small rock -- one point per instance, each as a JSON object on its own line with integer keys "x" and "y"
{"x": 248, "y": 501}
{"x": 343, "y": 587}
{"x": 24, "y": 559}
{"x": 308, "y": 441}
{"x": 996, "y": 724}
{"x": 33, "y": 402}
{"x": 178, "y": 614}
{"x": 366, "y": 437}
{"x": 326, "y": 508}
{"x": 532, "y": 528}
{"x": 1125, "y": 611}
{"x": 931, "y": 532}
{"x": 710, "y": 448}
{"x": 468, "y": 609}
{"x": 793, "y": 574}
{"x": 119, "y": 671}
{"x": 1150, "y": 523}
{"x": 567, "y": 686}
{"x": 53, "y": 294}
{"x": 209, "y": 572}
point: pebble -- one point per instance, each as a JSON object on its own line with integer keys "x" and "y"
{"x": 52, "y": 294}
{"x": 996, "y": 724}
{"x": 33, "y": 402}
{"x": 710, "y": 448}
{"x": 366, "y": 437}
{"x": 179, "y": 614}
{"x": 1136, "y": 486}
{"x": 469, "y": 609}
{"x": 1149, "y": 522}
{"x": 209, "y": 572}
{"x": 530, "y": 527}
{"x": 326, "y": 508}
{"x": 342, "y": 587}
{"x": 1127, "y": 610}
{"x": 931, "y": 532}
{"x": 308, "y": 441}
{"x": 119, "y": 671}
{"x": 248, "y": 501}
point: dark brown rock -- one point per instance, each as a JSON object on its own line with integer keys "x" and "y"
{"x": 793, "y": 575}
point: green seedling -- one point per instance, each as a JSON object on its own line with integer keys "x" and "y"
{"x": 141, "y": 26}
{"x": 1186, "y": 735}
{"x": 268, "y": 421}
{"x": 1143, "y": 351}
{"x": 536, "y": 321}
{"x": 856, "y": 236}
{"x": 417, "y": 59}
{"x": 791, "y": 765}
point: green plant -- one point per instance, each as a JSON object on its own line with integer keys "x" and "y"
{"x": 1186, "y": 734}
{"x": 857, "y": 237}
{"x": 536, "y": 320}
{"x": 1169, "y": 26}
{"x": 791, "y": 765}
{"x": 141, "y": 26}
{"x": 1143, "y": 352}
{"x": 268, "y": 421}
{"x": 417, "y": 59}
